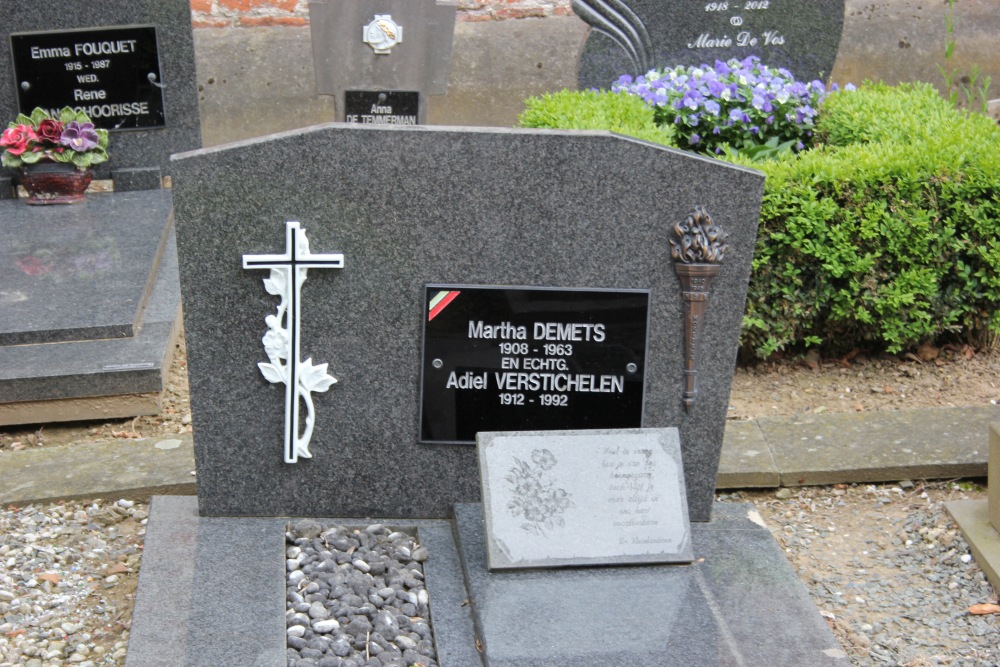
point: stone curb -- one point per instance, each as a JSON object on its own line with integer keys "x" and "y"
{"x": 940, "y": 443}
{"x": 133, "y": 469}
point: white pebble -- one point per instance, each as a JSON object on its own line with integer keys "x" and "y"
{"x": 323, "y": 627}
{"x": 966, "y": 558}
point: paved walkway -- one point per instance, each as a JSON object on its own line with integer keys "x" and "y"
{"x": 941, "y": 443}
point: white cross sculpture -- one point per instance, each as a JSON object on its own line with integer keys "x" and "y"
{"x": 281, "y": 342}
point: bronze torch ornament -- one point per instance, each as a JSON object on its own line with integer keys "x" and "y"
{"x": 697, "y": 248}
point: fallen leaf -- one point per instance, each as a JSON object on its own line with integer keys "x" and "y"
{"x": 117, "y": 568}
{"x": 812, "y": 360}
{"x": 50, "y": 576}
{"x": 968, "y": 352}
{"x": 985, "y": 609}
{"x": 928, "y": 352}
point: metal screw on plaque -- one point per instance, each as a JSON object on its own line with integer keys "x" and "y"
{"x": 381, "y": 97}
{"x": 25, "y": 85}
{"x": 631, "y": 368}
{"x": 152, "y": 79}
{"x": 697, "y": 250}
{"x": 437, "y": 363}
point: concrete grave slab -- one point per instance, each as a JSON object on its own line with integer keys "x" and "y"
{"x": 565, "y": 498}
{"x": 826, "y": 449}
{"x": 413, "y": 206}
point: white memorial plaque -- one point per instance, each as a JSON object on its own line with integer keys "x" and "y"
{"x": 605, "y": 497}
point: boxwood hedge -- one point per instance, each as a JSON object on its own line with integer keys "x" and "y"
{"x": 884, "y": 236}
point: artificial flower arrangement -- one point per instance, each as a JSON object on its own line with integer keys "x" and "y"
{"x": 70, "y": 138}
{"x": 739, "y": 104}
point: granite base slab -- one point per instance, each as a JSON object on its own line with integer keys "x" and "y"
{"x": 212, "y": 590}
{"x": 973, "y": 519}
{"x": 77, "y": 375}
{"x": 740, "y": 603}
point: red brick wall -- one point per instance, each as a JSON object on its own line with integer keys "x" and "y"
{"x": 252, "y": 13}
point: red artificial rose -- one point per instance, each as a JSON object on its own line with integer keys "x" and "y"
{"x": 16, "y": 139}
{"x": 50, "y": 130}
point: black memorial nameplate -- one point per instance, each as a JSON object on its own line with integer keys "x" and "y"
{"x": 531, "y": 359}
{"x": 111, "y": 74}
{"x": 391, "y": 107}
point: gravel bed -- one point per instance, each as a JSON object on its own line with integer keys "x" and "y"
{"x": 886, "y": 566}
{"x": 67, "y": 582}
{"x": 356, "y": 598}
{"x": 889, "y": 570}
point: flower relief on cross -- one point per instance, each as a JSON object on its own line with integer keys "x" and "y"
{"x": 282, "y": 340}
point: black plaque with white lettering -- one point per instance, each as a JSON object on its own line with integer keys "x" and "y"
{"x": 390, "y": 107}
{"x": 111, "y": 74}
{"x": 531, "y": 359}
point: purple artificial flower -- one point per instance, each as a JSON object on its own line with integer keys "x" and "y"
{"x": 79, "y": 136}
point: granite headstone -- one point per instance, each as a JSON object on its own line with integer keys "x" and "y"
{"x": 557, "y": 498}
{"x": 131, "y": 65}
{"x": 381, "y": 59}
{"x": 410, "y": 207}
{"x": 634, "y": 36}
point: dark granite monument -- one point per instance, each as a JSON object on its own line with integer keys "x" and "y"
{"x": 635, "y": 36}
{"x": 380, "y": 60}
{"x": 388, "y": 202}
{"x": 325, "y": 303}
{"x": 89, "y": 293}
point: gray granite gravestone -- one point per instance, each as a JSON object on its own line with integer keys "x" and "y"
{"x": 408, "y": 207}
{"x": 306, "y": 293}
{"x": 634, "y": 36}
{"x": 90, "y": 293}
{"x": 595, "y": 497}
{"x": 381, "y": 59}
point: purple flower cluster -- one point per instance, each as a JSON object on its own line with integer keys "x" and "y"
{"x": 740, "y": 104}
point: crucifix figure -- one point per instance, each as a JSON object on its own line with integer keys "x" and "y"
{"x": 281, "y": 342}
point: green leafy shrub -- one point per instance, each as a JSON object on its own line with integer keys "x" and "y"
{"x": 593, "y": 110}
{"x": 886, "y": 237}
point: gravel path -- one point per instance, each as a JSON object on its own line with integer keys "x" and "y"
{"x": 67, "y": 582}
{"x": 886, "y": 566}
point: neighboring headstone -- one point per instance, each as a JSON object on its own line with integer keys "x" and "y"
{"x": 90, "y": 292}
{"x": 413, "y": 208}
{"x": 634, "y": 36}
{"x": 979, "y": 520}
{"x": 129, "y": 65}
{"x": 381, "y": 60}
{"x": 584, "y": 498}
